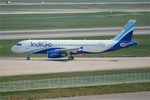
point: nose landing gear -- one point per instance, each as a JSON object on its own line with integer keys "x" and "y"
{"x": 71, "y": 58}
{"x": 28, "y": 58}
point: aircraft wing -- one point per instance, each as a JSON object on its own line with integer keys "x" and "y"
{"x": 68, "y": 50}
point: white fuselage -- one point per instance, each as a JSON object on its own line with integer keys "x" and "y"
{"x": 93, "y": 46}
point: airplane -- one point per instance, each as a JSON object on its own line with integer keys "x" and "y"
{"x": 70, "y": 48}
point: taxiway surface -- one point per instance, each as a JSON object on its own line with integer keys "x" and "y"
{"x": 119, "y": 96}
{"x": 20, "y": 66}
{"x": 26, "y": 34}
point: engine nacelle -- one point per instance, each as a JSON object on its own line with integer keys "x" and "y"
{"x": 55, "y": 54}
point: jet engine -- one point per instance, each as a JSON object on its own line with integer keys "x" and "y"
{"x": 56, "y": 54}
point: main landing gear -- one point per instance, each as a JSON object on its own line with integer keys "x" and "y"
{"x": 71, "y": 58}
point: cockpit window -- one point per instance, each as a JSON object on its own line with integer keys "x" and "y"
{"x": 19, "y": 44}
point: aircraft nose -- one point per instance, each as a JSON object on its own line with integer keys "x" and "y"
{"x": 14, "y": 49}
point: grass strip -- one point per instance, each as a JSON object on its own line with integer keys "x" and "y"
{"x": 80, "y": 91}
{"x": 40, "y": 6}
{"x": 62, "y": 21}
{"x": 71, "y": 74}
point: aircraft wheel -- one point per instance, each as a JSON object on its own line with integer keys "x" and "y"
{"x": 71, "y": 58}
{"x": 28, "y": 58}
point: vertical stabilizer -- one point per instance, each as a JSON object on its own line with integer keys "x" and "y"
{"x": 127, "y": 32}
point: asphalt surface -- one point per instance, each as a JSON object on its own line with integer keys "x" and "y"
{"x": 28, "y": 34}
{"x": 119, "y": 96}
{"x": 69, "y": 3}
{"x": 20, "y": 66}
{"x": 55, "y": 11}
